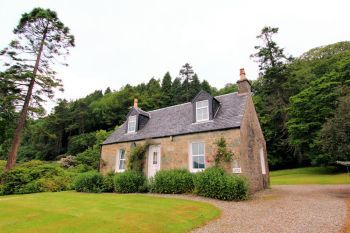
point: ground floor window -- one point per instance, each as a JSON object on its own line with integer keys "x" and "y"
{"x": 120, "y": 161}
{"x": 262, "y": 161}
{"x": 197, "y": 156}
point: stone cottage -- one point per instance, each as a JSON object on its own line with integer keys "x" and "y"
{"x": 185, "y": 135}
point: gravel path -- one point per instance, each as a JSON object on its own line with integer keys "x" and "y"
{"x": 297, "y": 208}
{"x": 283, "y": 209}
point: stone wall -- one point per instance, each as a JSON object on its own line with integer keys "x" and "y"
{"x": 175, "y": 150}
{"x": 252, "y": 141}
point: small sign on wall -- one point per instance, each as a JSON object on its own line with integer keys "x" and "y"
{"x": 236, "y": 170}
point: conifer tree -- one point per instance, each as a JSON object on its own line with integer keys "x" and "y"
{"x": 41, "y": 40}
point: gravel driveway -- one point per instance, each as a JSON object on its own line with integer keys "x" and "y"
{"x": 284, "y": 208}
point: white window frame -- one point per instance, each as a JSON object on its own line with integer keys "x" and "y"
{"x": 194, "y": 170}
{"x": 262, "y": 161}
{"x": 132, "y": 119}
{"x": 119, "y": 159}
{"x": 205, "y": 107}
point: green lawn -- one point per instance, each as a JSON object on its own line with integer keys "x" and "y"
{"x": 81, "y": 212}
{"x": 310, "y": 175}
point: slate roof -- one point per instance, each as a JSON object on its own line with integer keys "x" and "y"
{"x": 178, "y": 120}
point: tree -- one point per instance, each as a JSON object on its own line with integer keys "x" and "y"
{"x": 176, "y": 91}
{"x": 41, "y": 39}
{"x": 335, "y": 134}
{"x": 186, "y": 75}
{"x": 270, "y": 97}
{"x": 166, "y": 90}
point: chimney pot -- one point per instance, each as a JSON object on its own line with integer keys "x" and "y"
{"x": 242, "y": 74}
{"x": 243, "y": 83}
{"x": 135, "y": 103}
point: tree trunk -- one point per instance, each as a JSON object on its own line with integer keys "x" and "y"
{"x": 16, "y": 141}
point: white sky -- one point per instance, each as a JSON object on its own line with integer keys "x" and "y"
{"x": 120, "y": 42}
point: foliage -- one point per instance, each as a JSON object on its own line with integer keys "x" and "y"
{"x": 129, "y": 182}
{"x": 222, "y": 153}
{"x": 89, "y": 182}
{"x": 173, "y": 181}
{"x": 80, "y": 143}
{"x": 335, "y": 134}
{"x": 215, "y": 183}
{"x": 108, "y": 182}
{"x": 90, "y": 158}
{"x": 270, "y": 98}
{"x": 36, "y": 176}
{"x": 136, "y": 159}
{"x": 119, "y": 213}
{"x": 68, "y": 161}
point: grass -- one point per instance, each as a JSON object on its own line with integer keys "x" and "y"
{"x": 80, "y": 212}
{"x": 309, "y": 175}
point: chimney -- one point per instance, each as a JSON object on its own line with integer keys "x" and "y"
{"x": 135, "y": 103}
{"x": 243, "y": 83}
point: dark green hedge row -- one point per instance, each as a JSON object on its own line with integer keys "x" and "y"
{"x": 215, "y": 183}
{"x": 126, "y": 182}
{"x": 172, "y": 181}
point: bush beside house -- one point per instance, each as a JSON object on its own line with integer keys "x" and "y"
{"x": 215, "y": 183}
{"x": 172, "y": 181}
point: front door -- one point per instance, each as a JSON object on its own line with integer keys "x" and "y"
{"x": 153, "y": 160}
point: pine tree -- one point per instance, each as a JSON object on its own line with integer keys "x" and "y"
{"x": 166, "y": 90}
{"x": 186, "y": 75}
{"x": 41, "y": 39}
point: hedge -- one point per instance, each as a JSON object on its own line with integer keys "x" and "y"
{"x": 89, "y": 182}
{"x": 172, "y": 181}
{"x": 215, "y": 183}
{"x": 130, "y": 182}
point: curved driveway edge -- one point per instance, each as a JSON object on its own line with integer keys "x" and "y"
{"x": 284, "y": 208}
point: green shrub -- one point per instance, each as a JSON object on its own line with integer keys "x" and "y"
{"x": 215, "y": 183}
{"x": 129, "y": 182}
{"x": 173, "y": 181}
{"x": 36, "y": 176}
{"x": 89, "y": 182}
{"x": 2, "y": 166}
{"x": 108, "y": 183}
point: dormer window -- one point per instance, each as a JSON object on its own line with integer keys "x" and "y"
{"x": 202, "y": 110}
{"x": 131, "y": 124}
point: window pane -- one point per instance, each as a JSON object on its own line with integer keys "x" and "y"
{"x": 121, "y": 164}
{"x": 121, "y": 154}
{"x": 155, "y": 157}
{"x": 202, "y": 110}
{"x": 201, "y": 162}
{"x": 195, "y": 162}
{"x": 132, "y": 124}
{"x": 201, "y": 148}
{"x": 194, "y": 148}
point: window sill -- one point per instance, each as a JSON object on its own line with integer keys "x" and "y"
{"x": 197, "y": 170}
{"x": 200, "y": 122}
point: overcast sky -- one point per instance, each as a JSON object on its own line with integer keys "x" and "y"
{"x": 120, "y": 42}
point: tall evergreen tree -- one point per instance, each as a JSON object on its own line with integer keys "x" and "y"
{"x": 195, "y": 87}
{"x": 271, "y": 101}
{"x": 176, "y": 91}
{"x": 166, "y": 90}
{"x": 186, "y": 75}
{"x": 41, "y": 39}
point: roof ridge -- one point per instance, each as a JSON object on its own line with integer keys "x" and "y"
{"x": 189, "y": 102}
